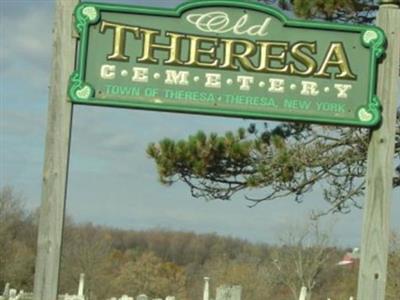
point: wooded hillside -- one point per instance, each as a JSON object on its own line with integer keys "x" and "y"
{"x": 160, "y": 262}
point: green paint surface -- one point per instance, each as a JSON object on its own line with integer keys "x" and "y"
{"x": 363, "y": 46}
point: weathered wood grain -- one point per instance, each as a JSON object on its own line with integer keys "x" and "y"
{"x": 55, "y": 171}
{"x": 376, "y": 224}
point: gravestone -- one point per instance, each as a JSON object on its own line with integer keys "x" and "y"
{"x": 229, "y": 292}
{"x": 13, "y": 294}
{"x": 6, "y": 292}
{"x": 126, "y": 297}
{"x": 170, "y": 298}
{"x": 142, "y": 297}
{"x": 206, "y": 292}
{"x": 73, "y": 297}
{"x": 303, "y": 293}
{"x": 81, "y": 284}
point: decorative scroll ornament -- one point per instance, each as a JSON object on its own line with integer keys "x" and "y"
{"x": 85, "y": 15}
{"x": 78, "y": 89}
{"x": 84, "y": 93}
{"x": 374, "y": 39}
{"x": 364, "y": 115}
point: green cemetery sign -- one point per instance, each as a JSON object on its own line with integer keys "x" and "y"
{"x": 226, "y": 57}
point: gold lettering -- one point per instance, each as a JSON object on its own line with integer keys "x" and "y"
{"x": 119, "y": 39}
{"x": 277, "y": 57}
{"x": 303, "y": 58}
{"x": 231, "y": 54}
{"x": 336, "y": 57}
{"x": 197, "y": 52}
{"x": 267, "y": 57}
{"x": 150, "y": 45}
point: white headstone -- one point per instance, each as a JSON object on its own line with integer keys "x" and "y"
{"x": 206, "y": 292}
{"x": 126, "y": 297}
{"x": 170, "y": 298}
{"x": 73, "y": 297}
{"x": 6, "y": 292}
{"x": 81, "y": 284}
{"x": 303, "y": 293}
{"x": 226, "y": 292}
{"x": 142, "y": 297}
{"x": 13, "y": 293}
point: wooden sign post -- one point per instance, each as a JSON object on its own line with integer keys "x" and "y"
{"x": 376, "y": 225}
{"x": 55, "y": 171}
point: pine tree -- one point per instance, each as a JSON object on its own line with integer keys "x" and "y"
{"x": 350, "y": 11}
{"x": 285, "y": 160}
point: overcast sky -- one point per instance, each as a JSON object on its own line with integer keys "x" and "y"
{"x": 112, "y": 181}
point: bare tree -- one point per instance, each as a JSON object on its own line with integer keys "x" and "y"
{"x": 302, "y": 258}
{"x": 16, "y": 254}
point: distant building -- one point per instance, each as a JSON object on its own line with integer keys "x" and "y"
{"x": 350, "y": 258}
